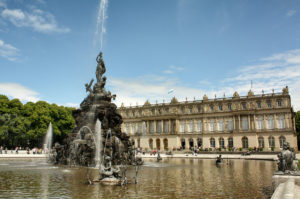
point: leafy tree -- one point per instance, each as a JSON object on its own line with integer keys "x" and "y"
{"x": 26, "y": 125}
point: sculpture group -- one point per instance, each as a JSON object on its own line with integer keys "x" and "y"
{"x": 80, "y": 147}
{"x": 287, "y": 163}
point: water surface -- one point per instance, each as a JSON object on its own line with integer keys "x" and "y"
{"x": 172, "y": 178}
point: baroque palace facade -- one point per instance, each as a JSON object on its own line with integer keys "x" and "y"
{"x": 264, "y": 121}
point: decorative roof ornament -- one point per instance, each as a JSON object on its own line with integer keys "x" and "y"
{"x": 205, "y": 97}
{"x": 122, "y": 105}
{"x": 285, "y": 90}
{"x": 236, "y": 95}
{"x": 147, "y": 103}
{"x": 250, "y": 93}
{"x": 174, "y": 100}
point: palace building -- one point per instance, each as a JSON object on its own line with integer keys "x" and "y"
{"x": 264, "y": 121}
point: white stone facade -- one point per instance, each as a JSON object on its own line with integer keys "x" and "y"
{"x": 264, "y": 121}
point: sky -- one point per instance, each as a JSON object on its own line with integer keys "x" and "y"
{"x": 48, "y": 49}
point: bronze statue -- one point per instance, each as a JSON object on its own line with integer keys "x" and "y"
{"x": 101, "y": 69}
{"x": 286, "y": 160}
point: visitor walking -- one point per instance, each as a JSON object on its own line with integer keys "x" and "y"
{"x": 17, "y": 150}
{"x": 1, "y": 148}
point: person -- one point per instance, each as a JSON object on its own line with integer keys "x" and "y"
{"x": 17, "y": 150}
{"x": 1, "y": 148}
{"x": 5, "y": 150}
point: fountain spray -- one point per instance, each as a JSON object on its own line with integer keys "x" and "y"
{"x": 101, "y": 17}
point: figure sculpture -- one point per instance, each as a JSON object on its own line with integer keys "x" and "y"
{"x": 115, "y": 147}
{"x": 286, "y": 160}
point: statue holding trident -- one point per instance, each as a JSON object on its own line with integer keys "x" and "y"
{"x": 101, "y": 69}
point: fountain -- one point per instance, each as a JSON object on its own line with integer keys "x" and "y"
{"x": 97, "y": 140}
{"x": 48, "y": 139}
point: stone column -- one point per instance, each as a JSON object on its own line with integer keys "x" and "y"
{"x": 234, "y": 125}
{"x": 162, "y": 127}
{"x": 170, "y": 127}
{"x": 240, "y": 127}
{"x": 249, "y": 123}
{"x": 286, "y": 121}
{"x": 216, "y": 127}
{"x": 265, "y": 123}
{"x": 254, "y": 123}
{"x": 155, "y": 126}
{"x": 148, "y": 127}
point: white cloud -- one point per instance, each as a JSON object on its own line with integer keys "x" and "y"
{"x": 15, "y": 90}
{"x": 69, "y": 104}
{"x": 274, "y": 72}
{"x": 37, "y": 19}
{"x": 291, "y": 13}
{"x": 172, "y": 69}
{"x": 2, "y": 4}
{"x": 8, "y": 51}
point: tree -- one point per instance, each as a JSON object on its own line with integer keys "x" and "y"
{"x": 21, "y": 125}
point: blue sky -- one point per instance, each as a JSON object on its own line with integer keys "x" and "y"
{"x": 196, "y": 47}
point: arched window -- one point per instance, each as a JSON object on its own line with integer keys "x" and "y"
{"x": 245, "y": 142}
{"x": 190, "y": 126}
{"x": 212, "y": 142}
{"x": 133, "y": 128}
{"x": 158, "y": 144}
{"x": 183, "y": 143}
{"x": 191, "y": 142}
{"x": 159, "y": 126}
{"x": 199, "y": 126}
{"x": 182, "y": 126}
{"x": 127, "y": 128}
{"x": 150, "y": 143}
{"x": 165, "y": 143}
{"x": 166, "y": 127}
{"x": 221, "y": 125}
{"x": 271, "y": 142}
{"x": 152, "y": 126}
{"x": 259, "y": 122}
{"x": 199, "y": 142}
{"x": 245, "y": 123}
{"x": 230, "y": 124}
{"x": 281, "y": 141}
{"x": 221, "y": 143}
{"x": 139, "y": 142}
{"x": 261, "y": 142}
{"x": 280, "y": 122}
{"x": 270, "y": 122}
{"x": 211, "y": 125}
{"x": 230, "y": 142}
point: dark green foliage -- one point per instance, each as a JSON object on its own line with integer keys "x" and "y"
{"x": 26, "y": 125}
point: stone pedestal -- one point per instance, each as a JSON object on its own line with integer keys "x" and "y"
{"x": 286, "y": 187}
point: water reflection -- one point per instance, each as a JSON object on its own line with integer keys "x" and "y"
{"x": 172, "y": 178}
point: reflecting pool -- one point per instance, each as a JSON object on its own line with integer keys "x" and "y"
{"x": 171, "y": 178}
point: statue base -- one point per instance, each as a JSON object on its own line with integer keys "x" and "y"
{"x": 110, "y": 181}
{"x": 285, "y": 185}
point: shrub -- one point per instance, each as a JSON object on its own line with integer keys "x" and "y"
{"x": 201, "y": 149}
{"x": 250, "y": 149}
{"x": 219, "y": 149}
{"x": 210, "y": 149}
{"x": 240, "y": 149}
{"x": 272, "y": 148}
{"x": 230, "y": 149}
{"x": 261, "y": 149}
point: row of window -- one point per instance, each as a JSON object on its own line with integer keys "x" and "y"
{"x": 230, "y": 143}
{"x": 188, "y": 126}
{"x": 245, "y": 142}
{"x": 190, "y": 109}
{"x": 191, "y": 126}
